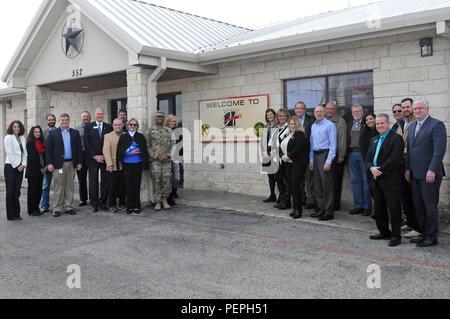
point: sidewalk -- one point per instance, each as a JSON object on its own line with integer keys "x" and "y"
{"x": 255, "y": 205}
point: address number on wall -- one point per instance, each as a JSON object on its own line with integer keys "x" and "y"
{"x": 77, "y": 72}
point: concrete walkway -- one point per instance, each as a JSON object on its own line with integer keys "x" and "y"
{"x": 252, "y": 204}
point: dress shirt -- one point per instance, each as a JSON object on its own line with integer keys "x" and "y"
{"x": 323, "y": 137}
{"x": 67, "y": 145}
{"x": 420, "y": 124}
{"x": 405, "y": 121}
{"x": 380, "y": 142}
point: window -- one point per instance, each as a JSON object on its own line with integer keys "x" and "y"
{"x": 345, "y": 90}
{"x": 171, "y": 104}
{"x": 117, "y": 106}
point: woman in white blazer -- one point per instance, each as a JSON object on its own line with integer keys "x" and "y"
{"x": 16, "y": 161}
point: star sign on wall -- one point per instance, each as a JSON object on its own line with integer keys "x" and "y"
{"x": 72, "y": 39}
{"x": 71, "y": 36}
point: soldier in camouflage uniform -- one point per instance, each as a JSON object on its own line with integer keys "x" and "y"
{"x": 161, "y": 143}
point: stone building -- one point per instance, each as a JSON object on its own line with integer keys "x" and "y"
{"x": 144, "y": 57}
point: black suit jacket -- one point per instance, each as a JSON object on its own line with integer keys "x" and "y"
{"x": 298, "y": 149}
{"x": 124, "y": 143}
{"x": 390, "y": 159}
{"x": 33, "y": 161}
{"x": 54, "y": 150}
{"x": 307, "y": 125}
{"x": 93, "y": 143}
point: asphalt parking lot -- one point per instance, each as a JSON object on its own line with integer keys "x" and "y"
{"x": 192, "y": 253}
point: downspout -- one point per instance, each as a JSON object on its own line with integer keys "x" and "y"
{"x": 152, "y": 89}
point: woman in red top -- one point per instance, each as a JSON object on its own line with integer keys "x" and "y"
{"x": 35, "y": 169}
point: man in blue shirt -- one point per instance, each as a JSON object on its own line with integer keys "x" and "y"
{"x": 63, "y": 156}
{"x": 323, "y": 151}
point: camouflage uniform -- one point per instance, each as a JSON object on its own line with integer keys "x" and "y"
{"x": 161, "y": 143}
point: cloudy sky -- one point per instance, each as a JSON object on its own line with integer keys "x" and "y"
{"x": 15, "y": 16}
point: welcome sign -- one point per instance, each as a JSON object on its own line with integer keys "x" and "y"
{"x": 234, "y": 119}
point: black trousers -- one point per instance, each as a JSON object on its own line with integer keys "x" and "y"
{"x": 116, "y": 182}
{"x": 13, "y": 181}
{"x": 133, "y": 177}
{"x": 82, "y": 180}
{"x": 96, "y": 199}
{"x": 408, "y": 205}
{"x": 426, "y": 201}
{"x": 283, "y": 185}
{"x": 272, "y": 184}
{"x": 34, "y": 193}
{"x": 387, "y": 208}
{"x": 338, "y": 175}
{"x": 295, "y": 174}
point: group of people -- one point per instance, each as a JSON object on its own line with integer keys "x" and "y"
{"x": 117, "y": 152}
{"x": 400, "y": 168}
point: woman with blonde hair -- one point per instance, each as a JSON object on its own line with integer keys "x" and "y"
{"x": 295, "y": 160}
{"x": 177, "y": 162}
{"x": 266, "y": 149}
{"x": 278, "y": 138}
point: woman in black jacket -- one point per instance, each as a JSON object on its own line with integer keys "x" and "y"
{"x": 132, "y": 152}
{"x": 35, "y": 169}
{"x": 295, "y": 148}
{"x": 369, "y": 131}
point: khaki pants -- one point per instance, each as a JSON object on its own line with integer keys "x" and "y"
{"x": 63, "y": 188}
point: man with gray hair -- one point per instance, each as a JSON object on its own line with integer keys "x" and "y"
{"x": 385, "y": 162}
{"x": 427, "y": 143}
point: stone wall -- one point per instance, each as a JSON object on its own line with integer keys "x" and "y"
{"x": 399, "y": 71}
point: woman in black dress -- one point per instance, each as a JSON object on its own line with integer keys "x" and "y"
{"x": 35, "y": 169}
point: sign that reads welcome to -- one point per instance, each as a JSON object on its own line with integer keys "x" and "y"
{"x": 235, "y": 119}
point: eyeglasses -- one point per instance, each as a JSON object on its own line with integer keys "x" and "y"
{"x": 135, "y": 125}
{"x": 397, "y": 112}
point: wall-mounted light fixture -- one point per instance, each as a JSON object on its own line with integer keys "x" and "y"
{"x": 426, "y": 47}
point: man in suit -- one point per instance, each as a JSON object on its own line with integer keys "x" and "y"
{"x": 427, "y": 143}
{"x": 45, "y": 198}
{"x": 82, "y": 174}
{"x": 63, "y": 156}
{"x": 93, "y": 142}
{"x": 306, "y": 186}
{"x": 385, "y": 162}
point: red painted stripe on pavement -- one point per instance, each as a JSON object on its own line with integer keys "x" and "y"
{"x": 298, "y": 244}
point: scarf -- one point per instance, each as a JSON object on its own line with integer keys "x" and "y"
{"x": 40, "y": 146}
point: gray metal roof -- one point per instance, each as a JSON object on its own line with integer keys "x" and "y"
{"x": 164, "y": 28}
{"x": 371, "y": 13}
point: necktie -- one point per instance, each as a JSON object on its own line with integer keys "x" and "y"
{"x": 417, "y": 129}
{"x": 100, "y": 130}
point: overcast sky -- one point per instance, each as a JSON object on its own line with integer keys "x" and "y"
{"x": 15, "y": 16}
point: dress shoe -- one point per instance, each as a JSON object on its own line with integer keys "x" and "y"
{"x": 356, "y": 211}
{"x": 284, "y": 206}
{"x": 326, "y": 217}
{"x": 427, "y": 243}
{"x": 45, "y": 211}
{"x": 412, "y": 234}
{"x": 71, "y": 212}
{"x": 129, "y": 211}
{"x": 317, "y": 214}
{"x": 113, "y": 209}
{"x": 292, "y": 213}
{"x": 171, "y": 202}
{"x": 380, "y": 237}
{"x": 417, "y": 240}
{"x": 297, "y": 214}
{"x": 367, "y": 212}
{"x": 56, "y": 214}
{"x": 95, "y": 209}
{"x": 310, "y": 206}
{"x": 270, "y": 199}
{"x": 137, "y": 211}
{"x": 395, "y": 242}
{"x": 123, "y": 208}
{"x": 105, "y": 208}
{"x": 82, "y": 204}
{"x": 19, "y": 219}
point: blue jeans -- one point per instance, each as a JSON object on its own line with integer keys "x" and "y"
{"x": 358, "y": 180}
{"x": 45, "y": 199}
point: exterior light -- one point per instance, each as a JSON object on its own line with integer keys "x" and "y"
{"x": 426, "y": 47}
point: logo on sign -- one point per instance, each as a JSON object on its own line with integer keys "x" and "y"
{"x": 72, "y": 39}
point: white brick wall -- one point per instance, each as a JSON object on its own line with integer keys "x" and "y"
{"x": 399, "y": 72}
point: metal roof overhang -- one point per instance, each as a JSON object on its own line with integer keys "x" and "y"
{"x": 359, "y": 31}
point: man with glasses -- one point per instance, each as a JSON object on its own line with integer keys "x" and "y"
{"x": 398, "y": 127}
{"x": 427, "y": 143}
{"x": 82, "y": 174}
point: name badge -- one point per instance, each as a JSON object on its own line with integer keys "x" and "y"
{"x": 96, "y": 127}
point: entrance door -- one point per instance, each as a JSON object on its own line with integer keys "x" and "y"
{"x": 170, "y": 104}
{"x": 116, "y": 107}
